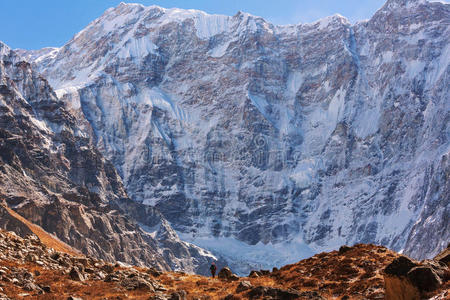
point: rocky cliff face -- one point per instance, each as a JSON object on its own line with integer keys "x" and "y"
{"x": 52, "y": 175}
{"x": 269, "y": 143}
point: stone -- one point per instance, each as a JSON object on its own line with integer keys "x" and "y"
{"x": 108, "y": 268}
{"x": 224, "y": 273}
{"x": 344, "y": 249}
{"x": 179, "y": 295}
{"x": 233, "y": 277}
{"x": 29, "y": 286}
{"x": 424, "y": 278}
{"x": 444, "y": 256}
{"x": 76, "y": 275}
{"x": 254, "y": 274}
{"x": 231, "y": 297}
{"x": 136, "y": 283}
{"x": 275, "y": 293}
{"x": 243, "y": 286}
{"x": 400, "y": 266}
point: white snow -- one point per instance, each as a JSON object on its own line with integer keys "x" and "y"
{"x": 260, "y": 256}
{"x": 325, "y": 22}
{"x": 220, "y": 49}
{"x": 294, "y": 82}
{"x": 137, "y": 48}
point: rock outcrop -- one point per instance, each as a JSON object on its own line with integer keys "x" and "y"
{"x": 407, "y": 279}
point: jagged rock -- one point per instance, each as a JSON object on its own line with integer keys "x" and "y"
{"x": 179, "y": 295}
{"x": 76, "y": 275}
{"x": 424, "y": 278}
{"x": 231, "y": 297}
{"x": 275, "y": 293}
{"x": 233, "y": 277}
{"x": 158, "y": 297}
{"x": 264, "y": 272}
{"x": 111, "y": 278}
{"x": 255, "y": 274}
{"x": 400, "y": 266}
{"x": 31, "y": 257}
{"x": 31, "y": 287}
{"x": 243, "y": 286}
{"x": 135, "y": 283}
{"x": 405, "y": 279}
{"x": 344, "y": 249}
{"x": 108, "y": 268}
{"x": 225, "y": 273}
{"x": 444, "y": 256}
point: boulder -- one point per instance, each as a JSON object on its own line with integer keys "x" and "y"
{"x": 424, "y": 278}
{"x": 31, "y": 287}
{"x": 344, "y": 249}
{"x": 264, "y": 272}
{"x": 254, "y": 274}
{"x": 108, "y": 268}
{"x": 444, "y": 256}
{"x": 179, "y": 295}
{"x": 281, "y": 294}
{"x": 76, "y": 275}
{"x": 400, "y": 266}
{"x": 408, "y": 280}
{"x": 233, "y": 277}
{"x": 225, "y": 274}
{"x": 231, "y": 297}
{"x": 136, "y": 283}
{"x": 243, "y": 286}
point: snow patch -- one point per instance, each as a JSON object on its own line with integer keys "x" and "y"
{"x": 244, "y": 257}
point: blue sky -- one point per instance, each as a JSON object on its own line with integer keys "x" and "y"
{"x": 32, "y": 24}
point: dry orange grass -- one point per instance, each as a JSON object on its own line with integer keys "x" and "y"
{"x": 356, "y": 273}
{"x": 198, "y": 286}
{"x": 62, "y": 287}
{"x": 46, "y": 238}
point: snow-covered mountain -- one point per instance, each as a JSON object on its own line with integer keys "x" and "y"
{"x": 51, "y": 174}
{"x": 269, "y": 143}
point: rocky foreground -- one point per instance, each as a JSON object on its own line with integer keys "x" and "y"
{"x": 30, "y": 269}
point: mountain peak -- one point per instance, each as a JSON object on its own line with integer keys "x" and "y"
{"x": 393, "y": 4}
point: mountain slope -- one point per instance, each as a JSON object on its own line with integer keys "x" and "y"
{"x": 270, "y": 143}
{"x": 360, "y": 272}
{"x": 53, "y": 176}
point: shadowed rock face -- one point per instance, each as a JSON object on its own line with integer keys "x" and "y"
{"x": 407, "y": 279}
{"x": 320, "y": 134}
{"x": 51, "y": 174}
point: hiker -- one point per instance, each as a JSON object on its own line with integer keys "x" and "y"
{"x": 213, "y": 269}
